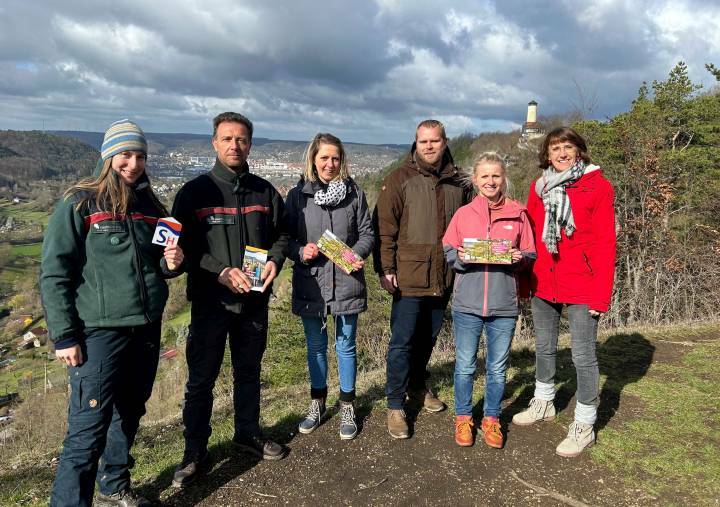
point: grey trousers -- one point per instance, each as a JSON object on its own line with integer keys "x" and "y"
{"x": 583, "y": 334}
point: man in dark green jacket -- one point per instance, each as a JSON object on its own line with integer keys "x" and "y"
{"x": 223, "y": 212}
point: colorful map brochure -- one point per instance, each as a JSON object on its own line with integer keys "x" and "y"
{"x": 337, "y": 251}
{"x": 487, "y": 251}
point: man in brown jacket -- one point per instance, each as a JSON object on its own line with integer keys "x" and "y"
{"x": 415, "y": 205}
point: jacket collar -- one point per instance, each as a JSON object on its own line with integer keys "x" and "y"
{"x": 511, "y": 208}
{"x": 224, "y": 173}
{"x": 588, "y": 178}
{"x": 448, "y": 169}
{"x": 310, "y": 187}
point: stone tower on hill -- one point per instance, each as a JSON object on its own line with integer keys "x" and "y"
{"x": 531, "y": 129}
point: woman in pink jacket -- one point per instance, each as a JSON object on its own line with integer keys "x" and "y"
{"x": 486, "y": 295}
{"x": 571, "y": 209}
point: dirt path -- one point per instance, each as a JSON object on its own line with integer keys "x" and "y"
{"x": 429, "y": 468}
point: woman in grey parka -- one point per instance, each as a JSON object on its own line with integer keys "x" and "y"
{"x": 326, "y": 198}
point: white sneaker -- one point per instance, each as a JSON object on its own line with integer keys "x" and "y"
{"x": 538, "y": 410}
{"x": 579, "y": 437}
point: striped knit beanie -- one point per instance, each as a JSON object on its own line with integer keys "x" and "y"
{"x": 123, "y": 135}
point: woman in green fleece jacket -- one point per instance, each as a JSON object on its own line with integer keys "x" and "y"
{"x": 103, "y": 289}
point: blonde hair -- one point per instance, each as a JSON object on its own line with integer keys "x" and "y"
{"x": 110, "y": 193}
{"x": 493, "y": 157}
{"x": 311, "y": 152}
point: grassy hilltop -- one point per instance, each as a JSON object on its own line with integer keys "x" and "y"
{"x": 659, "y": 428}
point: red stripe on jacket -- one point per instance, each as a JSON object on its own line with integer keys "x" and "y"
{"x": 203, "y": 212}
{"x": 104, "y": 216}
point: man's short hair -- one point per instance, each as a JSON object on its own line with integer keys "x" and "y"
{"x": 431, "y": 124}
{"x": 234, "y": 117}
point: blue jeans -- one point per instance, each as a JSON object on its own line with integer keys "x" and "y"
{"x": 107, "y": 400}
{"x": 499, "y": 330}
{"x": 415, "y": 323}
{"x": 583, "y": 333}
{"x": 317, "y": 343}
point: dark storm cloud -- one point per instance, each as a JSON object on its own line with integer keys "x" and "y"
{"x": 366, "y": 70}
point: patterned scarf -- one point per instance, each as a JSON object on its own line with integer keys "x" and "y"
{"x": 332, "y": 195}
{"x": 551, "y": 188}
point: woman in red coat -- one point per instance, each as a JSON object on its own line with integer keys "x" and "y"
{"x": 571, "y": 209}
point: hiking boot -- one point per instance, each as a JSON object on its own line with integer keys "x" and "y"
{"x": 538, "y": 410}
{"x": 124, "y": 498}
{"x": 579, "y": 437}
{"x": 316, "y": 413}
{"x": 464, "y": 430}
{"x": 348, "y": 427}
{"x": 260, "y": 446}
{"x": 491, "y": 432}
{"x": 188, "y": 469}
{"x": 396, "y": 423}
{"x": 427, "y": 398}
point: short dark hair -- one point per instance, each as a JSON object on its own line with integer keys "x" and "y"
{"x": 559, "y": 135}
{"x": 431, "y": 124}
{"x": 234, "y": 117}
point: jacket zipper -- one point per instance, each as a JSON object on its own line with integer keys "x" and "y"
{"x": 240, "y": 228}
{"x": 138, "y": 267}
{"x": 487, "y": 273}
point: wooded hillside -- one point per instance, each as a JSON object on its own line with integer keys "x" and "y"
{"x": 36, "y": 155}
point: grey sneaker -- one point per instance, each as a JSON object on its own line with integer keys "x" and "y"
{"x": 314, "y": 417}
{"x": 538, "y": 410}
{"x": 396, "y": 423}
{"x": 124, "y": 498}
{"x": 580, "y": 436}
{"x": 348, "y": 427}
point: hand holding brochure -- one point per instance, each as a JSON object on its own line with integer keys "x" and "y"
{"x": 337, "y": 251}
{"x": 253, "y": 266}
{"x": 167, "y": 232}
{"x": 487, "y": 251}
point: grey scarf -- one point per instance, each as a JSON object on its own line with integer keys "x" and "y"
{"x": 551, "y": 188}
{"x": 333, "y": 195}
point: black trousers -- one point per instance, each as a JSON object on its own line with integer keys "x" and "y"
{"x": 210, "y": 327}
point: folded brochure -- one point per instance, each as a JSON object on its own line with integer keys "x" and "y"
{"x": 487, "y": 251}
{"x": 337, "y": 251}
{"x": 253, "y": 266}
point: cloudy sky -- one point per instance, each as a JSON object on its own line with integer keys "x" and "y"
{"x": 367, "y": 71}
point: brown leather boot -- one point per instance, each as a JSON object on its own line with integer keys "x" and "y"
{"x": 427, "y": 399}
{"x": 396, "y": 423}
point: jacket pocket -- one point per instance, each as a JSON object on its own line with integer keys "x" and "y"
{"x": 306, "y": 286}
{"x": 85, "y": 382}
{"x": 587, "y": 263}
{"x": 413, "y": 268}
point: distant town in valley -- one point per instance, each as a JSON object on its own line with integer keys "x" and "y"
{"x": 182, "y": 156}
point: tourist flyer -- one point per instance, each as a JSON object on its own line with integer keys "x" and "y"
{"x": 487, "y": 251}
{"x": 253, "y": 266}
{"x": 337, "y": 251}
